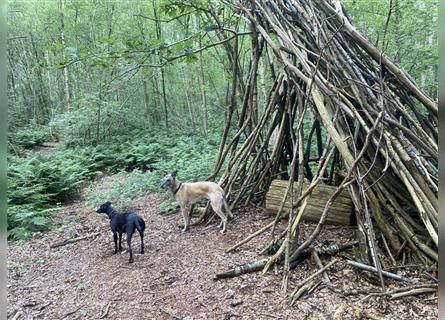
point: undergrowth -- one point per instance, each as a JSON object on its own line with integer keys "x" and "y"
{"x": 39, "y": 185}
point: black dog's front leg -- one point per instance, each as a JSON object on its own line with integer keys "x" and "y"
{"x": 115, "y": 242}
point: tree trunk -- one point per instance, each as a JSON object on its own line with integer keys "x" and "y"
{"x": 164, "y": 94}
{"x": 65, "y": 68}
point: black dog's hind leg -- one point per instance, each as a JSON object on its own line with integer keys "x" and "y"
{"x": 129, "y": 235}
{"x": 115, "y": 242}
{"x": 140, "y": 225}
{"x": 120, "y": 241}
{"x": 141, "y": 233}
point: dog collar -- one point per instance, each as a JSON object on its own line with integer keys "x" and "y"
{"x": 180, "y": 185}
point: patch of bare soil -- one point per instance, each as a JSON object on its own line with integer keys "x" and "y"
{"x": 46, "y": 148}
{"x": 174, "y": 278}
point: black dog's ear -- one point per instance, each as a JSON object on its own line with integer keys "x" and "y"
{"x": 108, "y": 203}
{"x": 174, "y": 173}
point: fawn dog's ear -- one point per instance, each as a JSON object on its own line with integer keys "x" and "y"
{"x": 174, "y": 173}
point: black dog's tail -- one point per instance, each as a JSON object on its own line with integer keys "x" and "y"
{"x": 140, "y": 224}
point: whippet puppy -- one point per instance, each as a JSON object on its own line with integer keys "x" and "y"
{"x": 187, "y": 194}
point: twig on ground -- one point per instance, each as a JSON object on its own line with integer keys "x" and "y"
{"x": 303, "y": 282}
{"x": 412, "y": 292}
{"x": 250, "y": 237}
{"x": 72, "y": 240}
{"x": 320, "y": 265}
{"x": 71, "y": 312}
{"x": 373, "y": 269}
{"x": 104, "y": 314}
{"x": 305, "y": 288}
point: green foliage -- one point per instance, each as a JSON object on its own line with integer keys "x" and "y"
{"x": 124, "y": 188}
{"x": 160, "y": 154}
{"x": 38, "y": 185}
{"x": 168, "y": 206}
{"x": 32, "y": 135}
{"x": 404, "y": 30}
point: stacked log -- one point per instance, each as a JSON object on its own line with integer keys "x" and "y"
{"x": 339, "y": 213}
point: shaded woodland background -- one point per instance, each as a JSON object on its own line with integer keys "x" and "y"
{"x": 138, "y": 88}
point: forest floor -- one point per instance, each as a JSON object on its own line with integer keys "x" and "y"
{"x": 174, "y": 279}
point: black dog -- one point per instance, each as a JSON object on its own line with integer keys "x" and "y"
{"x": 123, "y": 222}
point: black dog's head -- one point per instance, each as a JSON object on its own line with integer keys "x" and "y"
{"x": 168, "y": 180}
{"x": 104, "y": 208}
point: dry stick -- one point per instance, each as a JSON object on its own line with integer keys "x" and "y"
{"x": 345, "y": 182}
{"x": 232, "y": 106}
{"x": 370, "y": 233}
{"x": 320, "y": 265}
{"x": 405, "y": 229}
{"x": 373, "y": 269}
{"x": 256, "y": 134}
{"x": 412, "y": 292}
{"x": 259, "y": 264}
{"x": 260, "y": 179}
{"x": 320, "y": 171}
{"x": 253, "y": 235}
{"x": 379, "y": 56}
{"x": 305, "y": 288}
{"x": 65, "y": 242}
{"x": 273, "y": 242}
{"x": 393, "y": 261}
{"x": 235, "y": 163}
{"x": 303, "y": 282}
{"x": 330, "y": 88}
{"x": 276, "y": 148}
{"x": 17, "y": 315}
{"x": 298, "y": 153}
{"x": 71, "y": 312}
{"x": 404, "y": 175}
{"x": 263, "y": 147}
{"x": 106, "y": 311}
{"x": 404, "y": 289}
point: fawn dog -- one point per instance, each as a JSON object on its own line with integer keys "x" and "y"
{"x": 187, "y": 194}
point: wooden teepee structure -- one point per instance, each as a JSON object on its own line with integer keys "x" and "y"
{"x": 381, "y": 128}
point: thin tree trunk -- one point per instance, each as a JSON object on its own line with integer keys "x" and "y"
{"x": 187, "y": 99}
{"x": 164, "y": 94}
{"x": 203, "y": 92}
{"x": 65, "y": 68}
{"x": 146, "y": 101}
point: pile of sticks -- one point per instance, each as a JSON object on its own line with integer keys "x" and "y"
{"x": 381, "y": 141}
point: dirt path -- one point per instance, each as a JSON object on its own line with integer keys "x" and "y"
{"x": 174, "y": 278}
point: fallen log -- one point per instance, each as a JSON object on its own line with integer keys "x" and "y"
{"x": 245, "y": 268}
{"x": 259, "y": 264}
{"x": 340, "y": 213}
